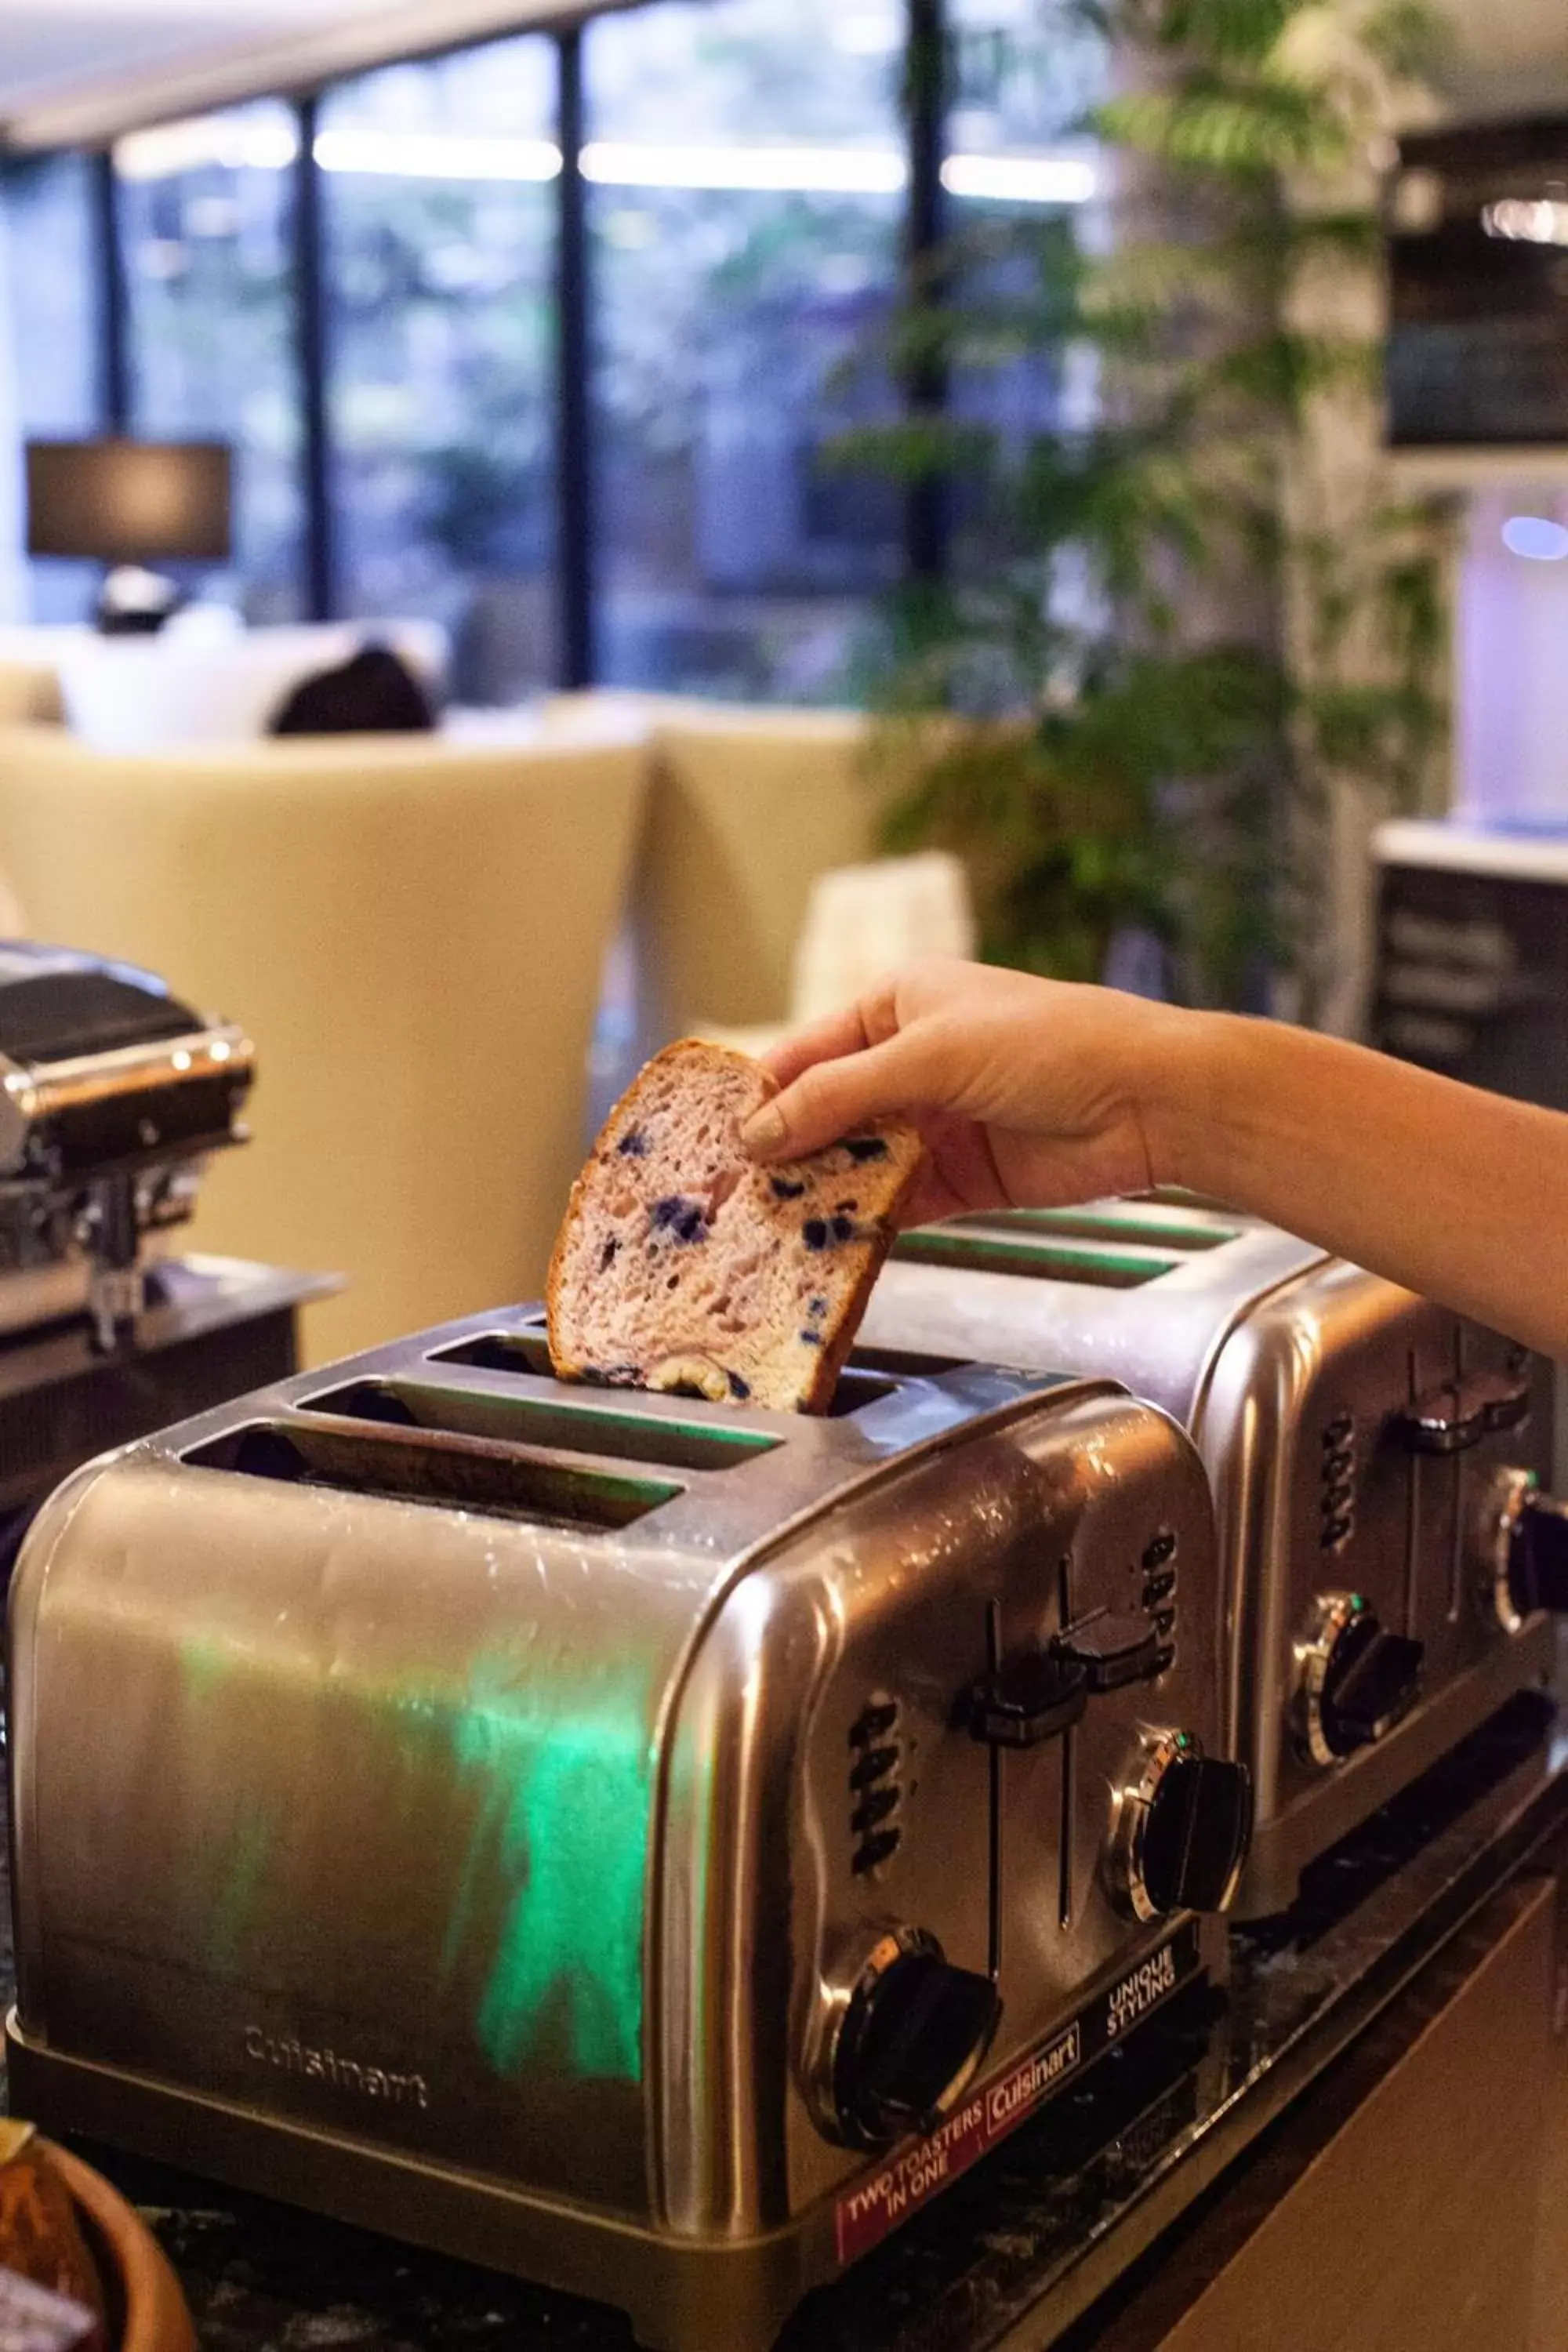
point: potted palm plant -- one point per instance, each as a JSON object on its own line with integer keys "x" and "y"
{"x": 1195, "y": 623}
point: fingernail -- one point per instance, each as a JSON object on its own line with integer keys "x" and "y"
{"x": 765, "y": 1131}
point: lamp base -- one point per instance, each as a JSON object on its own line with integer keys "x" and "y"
{"x": 135, "y": 603}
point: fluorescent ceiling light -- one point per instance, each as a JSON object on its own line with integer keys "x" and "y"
{"x": 235, "y": 141}
{"x": 1541, "y": 221}
{"x": 239, "y": 142}
{"x": 436, "y": 155}
{"x": 1062, "y": 179}
{"x": 1067, "y": 178}
{"x": 806, "y": 170}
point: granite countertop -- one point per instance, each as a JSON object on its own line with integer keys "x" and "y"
{"x": 1020, "y": 2249}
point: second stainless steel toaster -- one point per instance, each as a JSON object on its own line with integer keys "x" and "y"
{"x": 1376, "y": 1462}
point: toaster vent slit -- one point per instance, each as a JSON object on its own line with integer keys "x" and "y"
{"x": 875, "y": 1794}
{"x": 1337, "y": 1482}
{"x": 1159, "y": 1564}
{"x": 449, "y": 1475}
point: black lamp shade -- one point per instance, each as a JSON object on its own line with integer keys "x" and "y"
{"x": 130, "y": 501}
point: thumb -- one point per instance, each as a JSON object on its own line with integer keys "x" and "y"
{"x": 834, "y": 1097}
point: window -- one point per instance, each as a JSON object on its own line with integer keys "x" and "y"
{"x": 1019, "y": 170}
{"x": 48, "y": 361}
{"x": 1026, "y": 75}
{"x": 204, "y": 210}
{"x": 440, "y": 257}
{"x": 746, "y": 166}
{"x": 746, "y": 172}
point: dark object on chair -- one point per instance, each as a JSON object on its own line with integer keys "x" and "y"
{"x": 372, "y": 694}
{"x": 131, "y": 505}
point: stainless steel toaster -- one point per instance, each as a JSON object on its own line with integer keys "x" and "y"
{"x": 1385, "y": 1540}
{"x": 649, "y": 1847}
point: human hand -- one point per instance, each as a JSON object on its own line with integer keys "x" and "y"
{"x": 1029, "y": 1092}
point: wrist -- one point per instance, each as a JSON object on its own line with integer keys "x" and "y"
{"x": 1198, "y": 1090}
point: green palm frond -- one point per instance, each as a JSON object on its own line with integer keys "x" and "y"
{"x": 1264, "y": 124}
{"x": 1407, "y": 37}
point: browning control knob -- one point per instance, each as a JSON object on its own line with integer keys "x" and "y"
{"x": 1180, "y": 1829}
{"x": 1354, "y": 1679}
{"x": 1524, "y": 1542}
{"x": 909, "y": 2037}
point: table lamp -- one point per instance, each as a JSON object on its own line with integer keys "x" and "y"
{"x": 130, "y": 505}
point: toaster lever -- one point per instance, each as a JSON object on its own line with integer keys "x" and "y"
{"x": 1452, "y": 1418}
{"x": 1028, "y": 1700}
{"x": 1115, "y": 1651}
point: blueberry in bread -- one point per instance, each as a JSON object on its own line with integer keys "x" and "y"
{"x": 683, "y": 1264}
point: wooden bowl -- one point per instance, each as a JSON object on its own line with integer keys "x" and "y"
{"x": 143, "y": 2294}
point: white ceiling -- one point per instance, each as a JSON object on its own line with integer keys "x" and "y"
{"x": 49, "y": 48}
{"x": 78, "y": 69}
{"x": 81, "y": 69}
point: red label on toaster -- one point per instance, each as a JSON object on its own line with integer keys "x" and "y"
{"x": 919, "y": 2171}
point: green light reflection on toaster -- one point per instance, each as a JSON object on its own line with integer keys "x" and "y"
{"x": 548, "y": 1910}
{"x": 563, "y": 1820}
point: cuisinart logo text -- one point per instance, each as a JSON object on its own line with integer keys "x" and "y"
{"x": 1141, "y": 1991}
{"x": 1028, "y": 2083}
{"x": 293, "y": 2057}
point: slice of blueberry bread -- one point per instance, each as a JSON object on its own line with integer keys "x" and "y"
{"x": 682, "y": 1265}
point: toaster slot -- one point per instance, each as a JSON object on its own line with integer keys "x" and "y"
{"x": 906, "y": 1363}
{"x": 453, "y": 1476}
{"x": 524, "y": 1352}
{"x": 1137, "y": 1232}
{"x": 855, "y": 1389}
{"x": 1040, "y": 1261}
{"x": 541, "y": 1421}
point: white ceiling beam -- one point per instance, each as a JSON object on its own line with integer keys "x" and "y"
{"x": 101, "y": 110}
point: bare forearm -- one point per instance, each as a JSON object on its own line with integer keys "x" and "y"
{"x": 1459, "y": 1194}
{"x": 1029, "y": 1092}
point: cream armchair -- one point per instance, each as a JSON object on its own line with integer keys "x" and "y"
{"x": 413, "y": 932}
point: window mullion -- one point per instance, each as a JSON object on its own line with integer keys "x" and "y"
{"x": 927, "y": 519}
{"x": 319, "y": 552}
{"x": 574, "y": 549}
